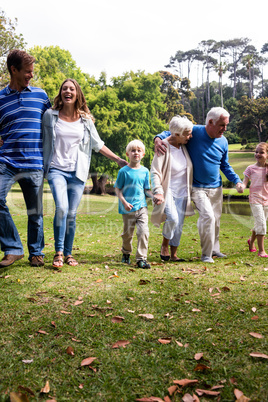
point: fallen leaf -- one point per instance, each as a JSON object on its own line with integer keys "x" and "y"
{"x": 87, "y": 361}
{"x": 81, "y": 386}
{"x": 242, "y": 278}
{"x": 150, "y": 399}
{"x": 198, "y": 356}
{"x": 46, "y": 388}
{"x": 262, "y": 355}
{"x": 42, "y": 332}
{"x": 201, "y": 392}
{"x": 53, "y": 324}
{"x": 108, "y": 302}
{"x": 254, "y": 309}
{"x": 117, "y": 318}
{"x": 255, "y": 317}
{"x": 172, "y": 389}
{"x": 256, "y": 335}
{"x": 179, "y": 343}
{"x": 70, "y": 351}
{"x": 18, "y": 397}
{"x": 75, "y": 340}
{"x": 144, "y": 282}
{"x": 164, "y": 341}
{"x": 209, "y": 329}
{"x": 233, "y": 381}
{"x": 185, "y": 382}
{"x": 78, "y": 302}
{"x": 27, "y": 361}
{"x": 65, "y": 312}
{"x": 196, "y": 310}
{"x": 167, "y": 399}
{"x": 147, "y": 316}
{"x": 98, "y": 280}
{"x": 226, "y": 289}
{"x": 187, "y": 398}
{"x": 20, "y": 387}
{"x": 119, "y": 344}
{"x": 201, "y": 367}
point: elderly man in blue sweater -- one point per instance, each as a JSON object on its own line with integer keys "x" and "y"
{"x": 208, "y": 150}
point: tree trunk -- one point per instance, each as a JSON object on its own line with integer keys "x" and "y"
{"x": 98, "y": 184}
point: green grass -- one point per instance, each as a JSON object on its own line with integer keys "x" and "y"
{"x": 37, "y": 299}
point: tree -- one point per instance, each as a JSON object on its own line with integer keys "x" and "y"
{"x": 53, "y": 65}
{"x": 253, "y": 116}
{"x": 9, "y": 40}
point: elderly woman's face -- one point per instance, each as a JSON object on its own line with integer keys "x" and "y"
{"x": 184, "y": 137}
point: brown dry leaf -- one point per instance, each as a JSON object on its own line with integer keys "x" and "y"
{"x": 118, "y": 318}
{"x": 46, "y": 388}
{"x": 233, "y": 380}
{"x": 256, "y": 335}
{"x": 18, "y": 397}
{"x": 147, "y": 316}
{"x": 87, "y": 361}
{"x": 167, "y": 399}
{"x": 108, "y": 301}
{"x": 226, "y": 289}
{"x": 150, "y": 399}
{"x": 81, "y": 386}
{"x": 98, "y": 280}
{"x": 196, "y": 399}
{"x": 53, "y": 324}
{"x": 76, "y": 340}
{"x": 172, "y": 389}
{"x": 255, "y": 317}
{"x": 201, "y": 392}
{"x": 238, "y": 393}
{"x": 254, "y": 309}
{"x": 65, "y": 312}
{"x": 164, "y": 341}
{"x": 262, "y": 355}
{"x": 78, "y": 302}
{"x": 196, "y": 310}
{"x": 198, "y": 356}
{"x": 144, "y": 281}
{"x": 242, "y": 278}
{"x": 119, "y": 344}
{"x": 70, "y": 351}
{"x": 210, "y": 290}
{"x": 42, "y": 332}
{"x": 209, "y": 329}
{"x": 217, "y": 387}
{"x": 201, "y": 367}
{"x": 20, "y": 387}
{"x": 179, "y": 343}
{"x": 187, "y": 398}
{"x": 185, "y": 382}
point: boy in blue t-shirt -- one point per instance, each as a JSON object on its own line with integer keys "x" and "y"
{"x": 131, "y": 185}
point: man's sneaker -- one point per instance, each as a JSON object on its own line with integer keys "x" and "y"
{"x": 206, "y": 258}
{"x": 126, "y": 259}
{"x": 37, "y": 261}
{"x": 143, "y": 264}
{"x": 218, "y": 254}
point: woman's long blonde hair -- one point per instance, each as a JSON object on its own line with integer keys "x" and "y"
{"x": 80, "y": 103}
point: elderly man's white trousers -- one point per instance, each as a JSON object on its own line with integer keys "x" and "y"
{"x": 208, "y": 202}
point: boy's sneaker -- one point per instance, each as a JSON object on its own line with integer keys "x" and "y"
{"x": 143, "y": 264}
{"x": 126, "y": 259}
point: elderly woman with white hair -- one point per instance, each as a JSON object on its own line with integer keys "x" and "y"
{"x": 171, "y": 177}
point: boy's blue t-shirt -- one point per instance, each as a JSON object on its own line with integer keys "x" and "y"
{"x": 133, "y": 183}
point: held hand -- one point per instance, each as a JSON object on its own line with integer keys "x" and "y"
{"x": 121, "y": 162}
{"x": 158, "y": 199}
{"x": 159, "y": 147}
{"x": 240, "y": 187}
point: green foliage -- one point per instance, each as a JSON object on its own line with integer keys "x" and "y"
{"x": 9, "y": 40}
{"x": 130, "y": 109}
{"x": 253, "y": 117}
{"x": 53, "y": 65}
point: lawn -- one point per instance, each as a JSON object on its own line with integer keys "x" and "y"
{"x": 174, "y": 321}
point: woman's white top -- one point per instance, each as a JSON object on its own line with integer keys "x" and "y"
{"x": 68, "y": 137}
{"x": 178, "y": 172}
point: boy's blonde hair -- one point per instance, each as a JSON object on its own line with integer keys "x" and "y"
{"x": 135, "y": 144}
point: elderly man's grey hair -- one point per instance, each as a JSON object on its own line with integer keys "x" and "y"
{"x": 179, "y": 124}
{"x": 215, "y": 113}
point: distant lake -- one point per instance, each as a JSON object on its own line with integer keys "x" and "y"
{"x": 236, "y": 207}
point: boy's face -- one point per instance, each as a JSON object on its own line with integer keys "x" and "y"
{"x": 135, "y": 154}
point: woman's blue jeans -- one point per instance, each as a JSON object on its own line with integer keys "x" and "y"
{"x": 67, "y": 192}
{"x": 31, "y": 184}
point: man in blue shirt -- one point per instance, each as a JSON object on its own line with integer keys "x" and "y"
{"x": 208, "y": 150}
{"x": 21, "y": 157}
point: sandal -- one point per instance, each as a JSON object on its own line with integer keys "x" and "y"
{"x": 69, "y": 260}
{"x": 58, "y": 260}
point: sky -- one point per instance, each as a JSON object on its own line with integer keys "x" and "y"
{"x": 117, "y": 36}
